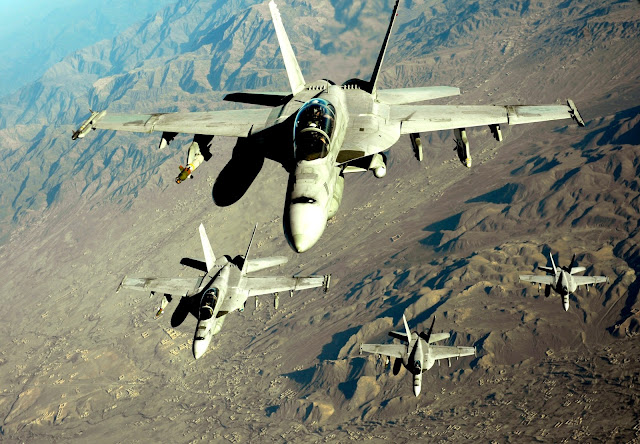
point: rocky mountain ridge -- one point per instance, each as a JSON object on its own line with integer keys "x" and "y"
{"x": 428, "y": 239}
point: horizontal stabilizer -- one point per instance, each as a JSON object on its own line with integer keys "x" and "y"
{"x": 193, "y": 263}
{"x": 399, "y": 335}
{"x": 411, "y": 95}
{"x": 435, "y": 337}
{"x": 262, "y": 98}
{"x": 546, "y": 269}
{"x": 575, "y": 270}
{"x": 265, "y": 262}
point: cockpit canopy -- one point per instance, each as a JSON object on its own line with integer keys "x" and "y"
{"x": 312, "y": 130}
{"x": 207, "y": 303}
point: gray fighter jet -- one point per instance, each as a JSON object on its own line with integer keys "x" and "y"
{"x": 223, "y": 289}
{"x": 562, "y": 280}
{"x": 320, "y": 130}
{"x": 418, "y": 355}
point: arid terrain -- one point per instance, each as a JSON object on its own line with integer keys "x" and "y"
{"x": 80, "y": 362}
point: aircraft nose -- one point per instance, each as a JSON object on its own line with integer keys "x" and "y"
{"x": 199, "y": 347}
{"x": 307, "y": 222}
{"x": 416, "y": 390}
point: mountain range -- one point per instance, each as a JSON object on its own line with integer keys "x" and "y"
{"x": 80, "y": 362}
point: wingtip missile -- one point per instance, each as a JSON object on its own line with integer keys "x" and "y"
{"x": 575, "y": 114}
{"x": 120, "y": 284}
{"x": 87, "y": 125}
{"x": 326, "y": 283}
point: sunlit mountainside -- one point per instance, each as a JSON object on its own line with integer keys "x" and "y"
{"x": 36, "y": 34}
{"x": 80, "y": 362}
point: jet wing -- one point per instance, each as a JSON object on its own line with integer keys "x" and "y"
{"x": 443, "y": 352}
{"x": 369, "y": 134}
{"x": 232, "y": 123}
{"x": 265, "y": 285}
{"x": 393, "y": 350}
{"x": 173, "y": 286}
{"x": 545, "y": 280}
{"x": 585, "y": 280}
{"x": 425, "y": 118}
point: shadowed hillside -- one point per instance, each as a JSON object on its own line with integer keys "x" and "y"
{"x": 434, "y": 238}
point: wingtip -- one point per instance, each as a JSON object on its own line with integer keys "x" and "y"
{"x": 575, "y": 114}
{"x": 120, "y": 284}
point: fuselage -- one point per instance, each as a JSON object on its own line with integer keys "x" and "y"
{"x": 413, "y": 361}
{"x": 565, "y": 285}
{"x": 319, "y": 131}
{"x": 219, "y": 297}
{"x": 321, "y": 126}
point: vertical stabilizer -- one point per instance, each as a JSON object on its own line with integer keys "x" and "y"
{"x": 553, "y": 264}
{"x": 428, "y": 338}
{"x": 245, "y": 262}
{"x": 406, "y": 329}
{"x": 376, "y": 70}
{"x": 290, "y": 63}
{"x": 209, "y": 257}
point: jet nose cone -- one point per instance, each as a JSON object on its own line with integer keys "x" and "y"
{"x": 302, "y": 242}
{"x": 416, "y": 390}
{"x": 199, "y": 347}
{"x": 307, "y": 222}
{"x": 565, "y": 303}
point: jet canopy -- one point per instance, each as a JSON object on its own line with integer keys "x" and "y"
{"x": 207, "y": 303}
{"x": 312, "y": 130}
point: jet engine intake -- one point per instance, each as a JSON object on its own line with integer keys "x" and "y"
{"x": 336, "y": 199}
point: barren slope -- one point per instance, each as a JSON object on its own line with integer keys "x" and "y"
{"x": 80, "y": 362}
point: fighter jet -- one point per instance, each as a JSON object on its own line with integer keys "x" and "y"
{"x": 320, "y": 131}
{"x": 418, "y": 355}
{"x": 562, "y": 280}
{"x": 222, "y": 290}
